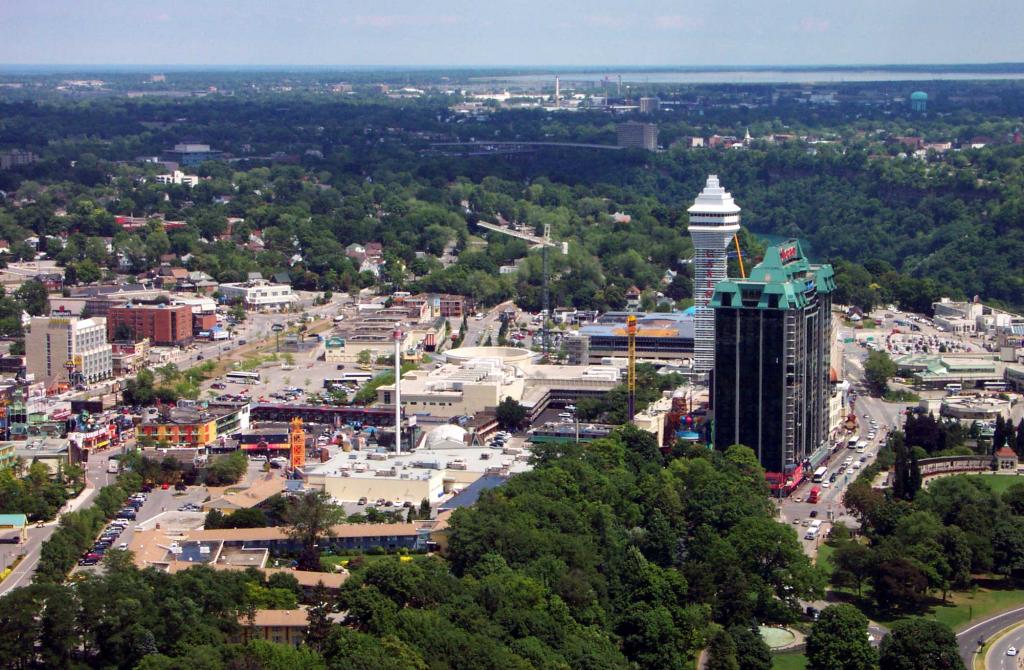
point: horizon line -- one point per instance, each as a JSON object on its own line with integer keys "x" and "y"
{"x": 467, "y": 67}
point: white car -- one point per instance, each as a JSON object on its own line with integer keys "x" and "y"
{"x": 1011, "y": 651}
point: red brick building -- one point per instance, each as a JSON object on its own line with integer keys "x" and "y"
{"x": 164, "y": 325}
{"x": 443, "y": 304}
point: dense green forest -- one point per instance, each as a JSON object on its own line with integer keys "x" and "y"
{"x": 900, "y": 229}
{"x": 607, "y": 556}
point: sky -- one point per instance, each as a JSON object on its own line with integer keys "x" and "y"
{"x": 425, "y": 33}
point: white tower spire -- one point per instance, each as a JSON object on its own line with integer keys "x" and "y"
{"x": 714, "y": 219}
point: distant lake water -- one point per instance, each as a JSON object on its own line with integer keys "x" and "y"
{"x": 757, "y": 76}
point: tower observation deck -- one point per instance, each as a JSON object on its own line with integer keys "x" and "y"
{"x": 714, "y": 220}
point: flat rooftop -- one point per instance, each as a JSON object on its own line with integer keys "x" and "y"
{"x": 476, "y": 460}
{"x": 40, "y": 447}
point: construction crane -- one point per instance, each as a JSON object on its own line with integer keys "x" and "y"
{"x": 631, "y": 367}
{"x": 739, "y": 256}
{"x": 543, "y": 243}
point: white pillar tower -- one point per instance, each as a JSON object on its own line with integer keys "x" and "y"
{"x": 714, "y": 220}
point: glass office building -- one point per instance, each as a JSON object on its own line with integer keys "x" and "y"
{"x": 771, "y": 376}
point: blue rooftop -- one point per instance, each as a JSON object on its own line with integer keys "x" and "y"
{"x": 471, "y": 493}
{"x": 655, "y": 323}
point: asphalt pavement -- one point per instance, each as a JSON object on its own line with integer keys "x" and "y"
{"x": 997, "y": 657}
{"x": 972, "y": 637}
{"x": 96, "y": 477}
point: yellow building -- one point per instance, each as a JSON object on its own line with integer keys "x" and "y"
{"x": 180, "y": 433}
{"x": 278, "y": 626}
{"x": 7, "y": 454}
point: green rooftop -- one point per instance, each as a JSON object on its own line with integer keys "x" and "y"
{"x": 783, "y": 280}
{"x": 13, "y": 520}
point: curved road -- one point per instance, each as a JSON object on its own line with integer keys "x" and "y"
{"x": 968, "y": 638}
{"x": 996, "y": 658}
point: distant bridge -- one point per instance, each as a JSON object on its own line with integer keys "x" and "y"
{"x": 506, "y": 230}
{"x": 516, "y": 146}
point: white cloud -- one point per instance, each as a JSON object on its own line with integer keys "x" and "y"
{"x": 678, "y": 22}
{"x": 398, "y": 20}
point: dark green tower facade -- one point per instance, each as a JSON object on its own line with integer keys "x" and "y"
{"x": 773, "y": 338}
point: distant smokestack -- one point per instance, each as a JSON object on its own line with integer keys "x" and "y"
{"x": 619, "y": 89}
{"x": 558, "y": 91}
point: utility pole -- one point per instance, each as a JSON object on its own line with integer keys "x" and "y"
{"x": 398, "y": 390}
{"x": 545, "y": 334}
{"x": 631, "y": 369}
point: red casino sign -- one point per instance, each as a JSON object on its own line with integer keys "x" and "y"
{"x": 787, "y": 254}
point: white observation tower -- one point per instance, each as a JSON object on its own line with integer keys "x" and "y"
{"x": 714, "y": 220}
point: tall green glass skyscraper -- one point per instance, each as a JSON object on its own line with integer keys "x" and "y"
{"x": 770, "y": 385}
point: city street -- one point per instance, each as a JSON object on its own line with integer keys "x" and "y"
{"x": 478, "y": 330}
{"x": 96, "y": 477}
{"x": 887, "y": 415}
{"x": 971, "y": 638}
{"x": 997, "y": 659}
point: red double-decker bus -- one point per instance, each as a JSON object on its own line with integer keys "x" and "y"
{"x": 815, "y": 493}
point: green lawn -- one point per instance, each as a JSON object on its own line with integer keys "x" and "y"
{"x": 999, "y": 483}
{"x": 824, "y": 560}
{"x": 795, "y": 661}
{"x": 330, "y": 561}
{"x": 982, "y": 603}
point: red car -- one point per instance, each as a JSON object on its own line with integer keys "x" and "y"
{"x": 165, "y": 486}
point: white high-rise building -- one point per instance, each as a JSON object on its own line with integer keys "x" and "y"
{"x": 53, "y": 342}
{"x": 714, "y": 220}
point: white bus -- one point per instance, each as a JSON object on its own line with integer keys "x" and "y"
{"x": 995, "y": 386}
{"x": 113, "y": 465}
{"x": 819, "y": 474}
{"x": 852, "y": 444}
{"x": 348, "y": 378}
{"x": 953, "y": 389}
{"x": 240, "y": 377}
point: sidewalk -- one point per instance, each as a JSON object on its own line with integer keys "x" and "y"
{"x": 74, "y": 504}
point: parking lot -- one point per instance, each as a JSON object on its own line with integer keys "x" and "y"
{"x": 305, "y": 377}
{"x": 157, "y": 501}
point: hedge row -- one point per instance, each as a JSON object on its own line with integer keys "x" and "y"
{"x": 77, "y": 530}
